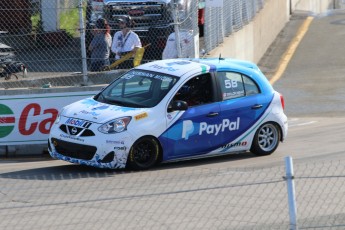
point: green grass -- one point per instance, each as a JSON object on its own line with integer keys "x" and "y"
{"x": 69, "y": 21}
{"x": 35, "y": 21}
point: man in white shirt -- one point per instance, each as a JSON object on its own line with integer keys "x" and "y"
{"x": 125, "y": 41}
{"x": 186, "y": 44}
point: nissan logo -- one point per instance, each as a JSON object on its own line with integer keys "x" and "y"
{"x": 74, "y": 130}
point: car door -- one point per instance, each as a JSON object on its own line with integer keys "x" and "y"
{"x": 194, "y": 131}
{"x": 241, "y": 107}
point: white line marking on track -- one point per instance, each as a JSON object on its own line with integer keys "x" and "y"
{"x": 303, "y": 124}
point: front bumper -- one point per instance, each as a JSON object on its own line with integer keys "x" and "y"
{"x": 101, "y": 152}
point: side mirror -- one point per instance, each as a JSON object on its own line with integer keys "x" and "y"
{"x": 177, "y": 105}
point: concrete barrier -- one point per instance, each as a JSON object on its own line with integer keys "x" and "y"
{"x": 251, "y": 42}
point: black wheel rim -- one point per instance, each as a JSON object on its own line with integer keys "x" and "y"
{"x": 144, "y": 153}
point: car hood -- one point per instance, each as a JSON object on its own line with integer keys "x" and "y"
{"x": 94, "y": 111}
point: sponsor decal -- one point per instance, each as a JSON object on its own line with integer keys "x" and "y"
{"x": 233, "y": 94}
{"x": 148, "y": 75}
{"x": 178, "y": 63}
{"x": 91, "y": 113}
{"x": 155, "y": 66}
{"x": 102, "y": 107}
{"x": 236, "y": 144}
{"x": 123, "y": 148}
{"x": 114, "y": 142}
{"x": 216, "y": 128}
{"x": 210, "y": 129}
{"x": 187, "y": 129}
{"x": 89, "y": 102}
{"x": 71, "y": 137}
{"x": 141, "y": 116}
{"x": 77, "y": 122}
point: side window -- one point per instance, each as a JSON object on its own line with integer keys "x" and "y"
{"x": 250, "y": 86}
{"x": 196, "y": 91}
{"x": 232, "y": 85}
{"x": 236, "y": 85}
{"x": 165, "y": 85}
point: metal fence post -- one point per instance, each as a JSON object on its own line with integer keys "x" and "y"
{"x": 82, "y": 42}
{"x": 177, "y": 31}
{"x": 291, "y": 192}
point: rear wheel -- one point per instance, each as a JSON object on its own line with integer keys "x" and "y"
{"x": 266, "y": 139}
{"x": 144, "y": 153}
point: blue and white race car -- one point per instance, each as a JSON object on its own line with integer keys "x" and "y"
{"x": 171, "y": 110}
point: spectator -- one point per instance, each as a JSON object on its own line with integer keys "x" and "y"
{"x": 125, "y": 41}
{"x": 100, "y": 46}
{"x": 186, "y": 44}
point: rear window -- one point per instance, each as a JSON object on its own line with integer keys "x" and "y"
{"x": 234, "y": 85}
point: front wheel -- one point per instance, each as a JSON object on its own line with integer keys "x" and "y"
{"x": 266, "y": 139}
{"x": 144, "y": 153}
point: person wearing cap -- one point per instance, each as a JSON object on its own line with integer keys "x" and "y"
{"x": 125, "y": 41}
{"x": 100, "y": 46}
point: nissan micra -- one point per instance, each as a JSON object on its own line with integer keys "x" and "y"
{"x": 172, "y": 110}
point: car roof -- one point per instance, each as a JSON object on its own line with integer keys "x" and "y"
{"x": 182, "y": 66}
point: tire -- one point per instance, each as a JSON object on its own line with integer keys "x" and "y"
{"x": 144, "y": 153}
{"x": 266, "y": 139}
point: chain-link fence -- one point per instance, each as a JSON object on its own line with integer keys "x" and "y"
{"x": 52, "y": 39}
{"x": 76, "y": 197}
{"x": 220, "y": 22}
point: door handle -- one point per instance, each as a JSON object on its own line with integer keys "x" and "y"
{"x": 212, "y": 114}
{"x": 257, "y": 106}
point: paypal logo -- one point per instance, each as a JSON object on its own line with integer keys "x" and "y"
{"x": 178, "y": 63}
{"x": 163, "y": 67}
{"x": 187, "y": 129}
{"x": 211, "y": 129}
{"x": 216, "y": 128}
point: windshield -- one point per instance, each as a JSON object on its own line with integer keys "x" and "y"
{"x": 138, "y": 89}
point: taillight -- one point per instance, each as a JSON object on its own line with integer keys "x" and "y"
{"x": 282, "y": 101}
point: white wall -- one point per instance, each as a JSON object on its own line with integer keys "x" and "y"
{"x": 251, "y": 42}
{"x": 314, "y": 6}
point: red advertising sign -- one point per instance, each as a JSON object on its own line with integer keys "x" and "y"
{"x": 27, "y": 119}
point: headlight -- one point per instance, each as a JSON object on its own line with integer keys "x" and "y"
{"x": 115, "y": 126}
{"x": 58, "y": 117}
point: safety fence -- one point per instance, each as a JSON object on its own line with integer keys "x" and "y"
{"x": 233, "y": 15}
{"x": 52, "y": 38}
{"x": 177, "y": 196}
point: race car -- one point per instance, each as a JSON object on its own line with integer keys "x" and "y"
{"x": 172, "y": 110}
